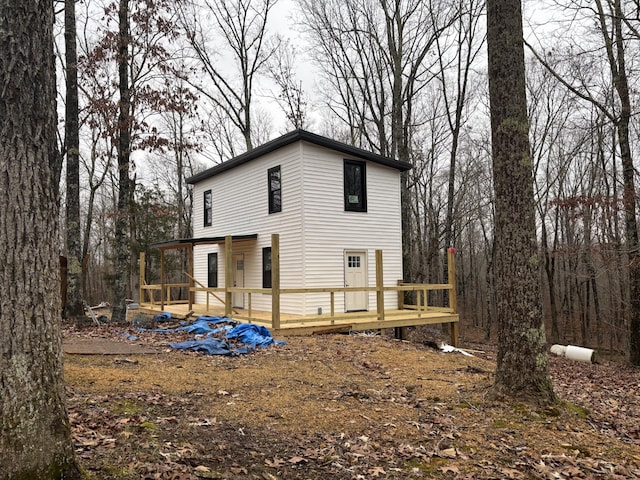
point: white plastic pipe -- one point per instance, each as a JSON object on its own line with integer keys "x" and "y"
{"x": 572, "y": 352}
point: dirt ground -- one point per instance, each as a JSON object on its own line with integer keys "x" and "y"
{"x": 340, "y": 407}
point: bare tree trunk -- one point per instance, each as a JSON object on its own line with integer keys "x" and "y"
{"x": 74, "y": 307}
{"x": 522, "y": 370}
{"x": 35, "y": 439}
{"x": 550, "y": 270}
{"x": 122, "y": 242}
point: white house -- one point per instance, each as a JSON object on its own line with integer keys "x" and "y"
{"x": 333, "y": 206}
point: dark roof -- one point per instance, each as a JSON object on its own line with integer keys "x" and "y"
{"x": 185, "y": 242}
{"x": 292, "y": 137}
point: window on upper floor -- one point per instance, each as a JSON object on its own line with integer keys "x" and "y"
{"x": 212, "y": 270}
{"x": 355, "y": 186}
{"x": 275, "y": 189}
{"x": 208, "y": 209}
{"x": 266, "y": 267}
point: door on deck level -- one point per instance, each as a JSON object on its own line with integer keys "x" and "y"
{"x": 238, "y": 280}
{"x": 355, "y": 275}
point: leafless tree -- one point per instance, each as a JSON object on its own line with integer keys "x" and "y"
{"x": 232, "y": 59}
{"x": 74, "y": 303}
{"x": 291, "y": 97}
{"x": 35, "y": 437}
{"x": 521, "y": 370}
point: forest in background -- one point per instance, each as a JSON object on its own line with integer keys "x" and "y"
{"x": 404, "y": 78}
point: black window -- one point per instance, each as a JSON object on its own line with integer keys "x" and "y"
{"x": 212, "y": 270}
{"x": 208, "y": 211}
{"x": 266, "y": 267}
{"x": 355, "y": 186}
{"x": 275, "y": 189}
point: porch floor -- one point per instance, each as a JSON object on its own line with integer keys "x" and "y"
{"x": 312, "y": 324}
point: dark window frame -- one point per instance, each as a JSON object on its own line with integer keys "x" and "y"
{"x": 212, "y": 275}
{"x": 266, "y": 267}
{"x": 275, "y": 194}
{"x": 351, "y": 179}
{"x": 208, "y": 209}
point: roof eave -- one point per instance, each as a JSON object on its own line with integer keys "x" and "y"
{"x": 291, "y": 137}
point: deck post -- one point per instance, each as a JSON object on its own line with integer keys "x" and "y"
{"x": 451, "y": 261}
{"x": 400, "y": 333}
{"x": 190, "y": 292}
{"x": 141, "y": 280}
{"x": 162, "y": 279}
{"x": 332, "y": 296}
{"x": 228, "y": 275}
{"x": 275, "y": 281}
{"x": 379, "y": 286}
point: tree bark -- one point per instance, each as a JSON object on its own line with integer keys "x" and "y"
{"x": 522, "y": 370}
{"x": 122, "y": 242}
{"x": 35, "y": 438}
{"x": 74, "y": 307}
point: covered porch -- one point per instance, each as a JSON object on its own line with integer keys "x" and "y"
{"x": 178, "y": 298}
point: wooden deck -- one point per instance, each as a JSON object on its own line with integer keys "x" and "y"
{"x": 159, "y": 297}
{"x": 315, "y": 324}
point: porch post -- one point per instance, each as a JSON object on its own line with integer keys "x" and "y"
{"x": 275, "y": 281}
{"x": 228, "y": 275}
{"x": 400, "y": 296}
{"x": 379, "y": 285}
{"x": 162, "y": 279}
{"x": 190, "y": 293}
{"x": 141, "y": 280}
{"x": 452, "y": 293}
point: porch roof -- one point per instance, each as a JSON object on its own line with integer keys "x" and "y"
{"x": 187, "y": 242}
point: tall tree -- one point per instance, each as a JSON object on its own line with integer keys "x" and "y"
{"x": 122, "y": 243}
{"x": 522, "y": 370}
{"x": 290, "y": 97}
{"x": 74, "y": 307}
{"x": 35, "y": 439}
{"x": 466, "y": 44}
{"x": 242, "y": 29}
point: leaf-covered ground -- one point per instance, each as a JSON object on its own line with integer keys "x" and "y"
{"x": 342, "y": 407}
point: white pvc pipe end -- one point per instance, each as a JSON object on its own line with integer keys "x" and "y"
{"x": 572, "y": 352}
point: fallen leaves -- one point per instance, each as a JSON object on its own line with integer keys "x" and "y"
{"x": 344, "y": 408}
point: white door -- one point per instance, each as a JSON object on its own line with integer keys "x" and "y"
{"x": 238, "y": 280}
{"x": 355, "y": 275}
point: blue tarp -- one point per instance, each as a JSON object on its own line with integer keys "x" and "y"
{"x": 223, "y": 336}
{"x": 162, "y": 317}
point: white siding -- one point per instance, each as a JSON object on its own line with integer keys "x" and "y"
{"x": 329, "y": 230}
{"x": 240, "y": 207}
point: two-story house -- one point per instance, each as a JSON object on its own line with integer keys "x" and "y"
{"x": 333, "y": 206}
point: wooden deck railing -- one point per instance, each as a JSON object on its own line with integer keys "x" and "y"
{"x": 223, "y": 295}
{"x": 148, "y": 293}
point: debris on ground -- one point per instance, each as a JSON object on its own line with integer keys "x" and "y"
{"x": 342, "y": 407}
